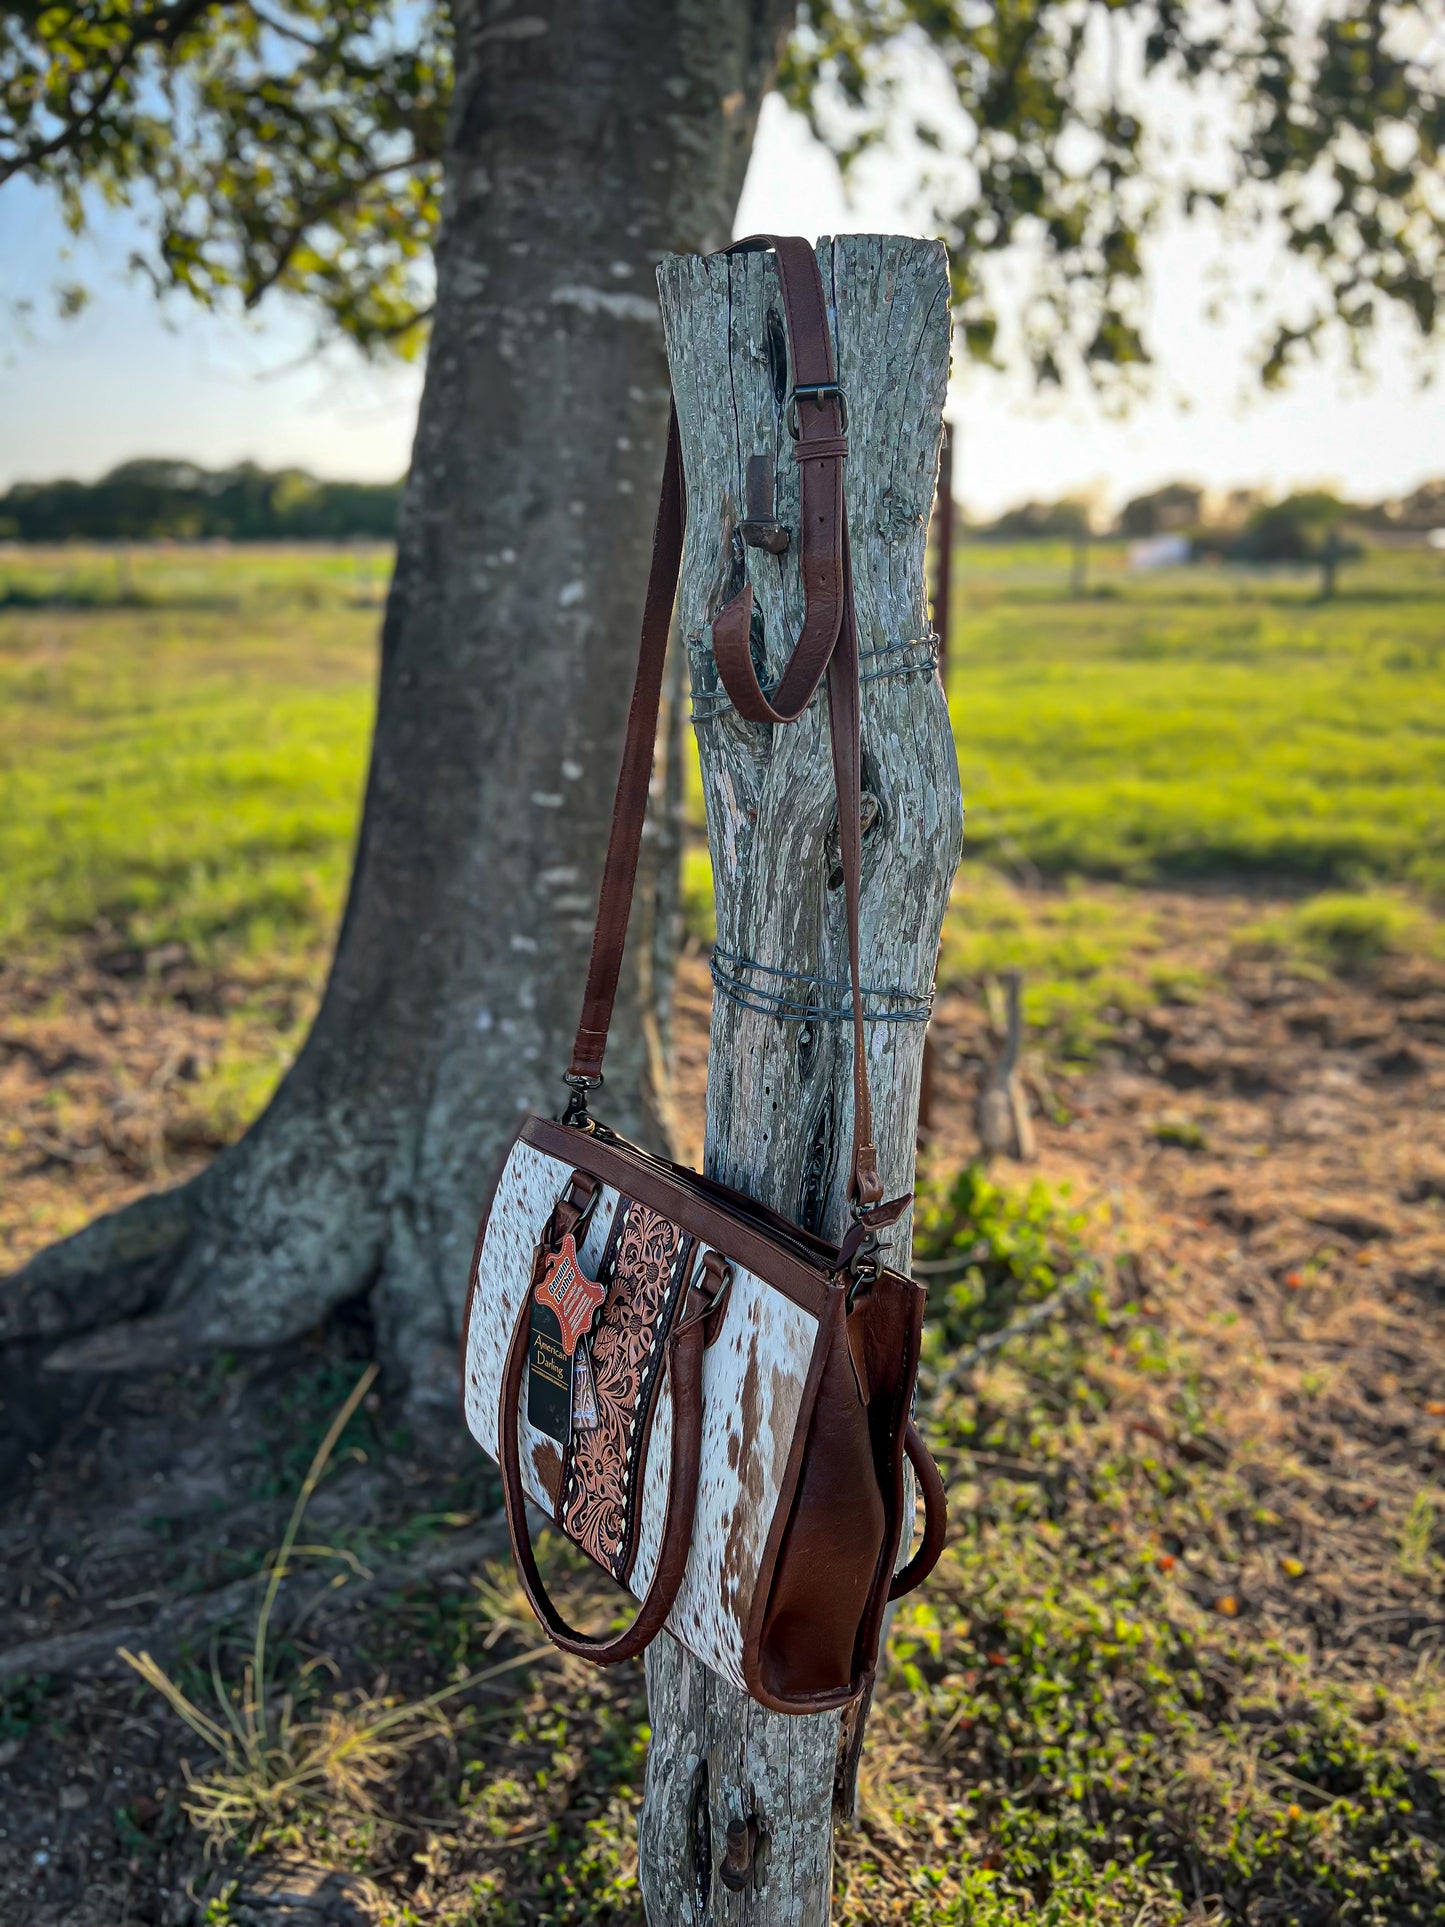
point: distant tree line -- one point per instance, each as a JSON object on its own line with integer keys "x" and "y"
{"x": 1311, "y": 527}
{"x": 148, "y": 501}
{"x": 154, "y": 500}
{"x": 1242, "y": 526}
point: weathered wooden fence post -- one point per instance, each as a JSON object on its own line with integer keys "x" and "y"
{"x": 779, "y": 1096}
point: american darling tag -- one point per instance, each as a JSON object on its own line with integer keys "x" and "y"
{"x": 560, "y": 1388}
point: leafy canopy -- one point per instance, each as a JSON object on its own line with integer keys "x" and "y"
{"x": 297, "y": 146}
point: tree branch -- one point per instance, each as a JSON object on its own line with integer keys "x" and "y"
{"x": 161, "y": 29}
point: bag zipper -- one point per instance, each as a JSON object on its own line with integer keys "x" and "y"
{"x": 679, "y": 1174}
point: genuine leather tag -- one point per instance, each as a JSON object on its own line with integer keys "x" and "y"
{"x": 565, "y": 1290}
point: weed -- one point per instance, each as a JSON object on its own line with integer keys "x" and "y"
{"x": 21, "y": 1703}
{"x": 219, "y": 1908}
{"x": 986, "y": 1250}
{"x": 1418, "y": 1558}
{"x": 1180, "y": 1133}
{"x": 1350, "y": 932}
{"x": 298, "y": 1425}
{"x": 273, "y": 1762}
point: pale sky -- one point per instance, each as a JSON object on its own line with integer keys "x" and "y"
{"x": 129, "y": 379}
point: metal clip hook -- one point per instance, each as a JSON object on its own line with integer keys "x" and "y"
{"x": 576, "y": 1111}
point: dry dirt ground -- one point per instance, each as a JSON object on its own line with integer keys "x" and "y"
{"x": 1265, "y": 1164}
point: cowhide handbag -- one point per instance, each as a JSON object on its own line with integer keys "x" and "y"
{"x": 710, "y": 1401}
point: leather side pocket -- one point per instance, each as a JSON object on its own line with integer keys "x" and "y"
{"x": 891, "y": 1321}
{"x": 831, "y": 1550}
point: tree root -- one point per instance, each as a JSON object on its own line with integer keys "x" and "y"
{"x": 293, "y": 1893}
{"x": 261, "y": 1246}
{"x": 112, "y": 1269}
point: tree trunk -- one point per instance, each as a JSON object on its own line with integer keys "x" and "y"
{"x": 587, "y": 137}
{"x": 779, "y": 1091}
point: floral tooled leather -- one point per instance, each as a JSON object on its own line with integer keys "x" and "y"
{"x": 624, "y": 1347}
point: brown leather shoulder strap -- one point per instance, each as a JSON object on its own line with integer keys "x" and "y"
{"x": 817, "y": 415}
{"x": 817, "y": 419}
{"x": 619, "y": 874}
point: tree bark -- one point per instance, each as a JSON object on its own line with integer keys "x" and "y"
{"x": 779, "y": 1092}
{"x": 587, "y": 137}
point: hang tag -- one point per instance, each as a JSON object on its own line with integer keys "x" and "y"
{"x": 566, "y": 1291}
{"x": 584, "y": 1390}
{"x": 549, "y": 1377}
{"x": 564, "y": 1303}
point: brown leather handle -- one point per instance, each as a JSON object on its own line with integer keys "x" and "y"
{"x": 828, "y": 644}
{"x": 684, "y": 1367}
{"x": 935, "y": 1516}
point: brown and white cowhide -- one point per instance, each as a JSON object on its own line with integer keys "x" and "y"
{"x": 753, "y": 1381}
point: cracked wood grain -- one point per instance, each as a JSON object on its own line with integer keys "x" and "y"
{"x": 779, "y": 1092}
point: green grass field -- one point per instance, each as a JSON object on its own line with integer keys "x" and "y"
{"x": 1203, "y": 721}
{"x": 183, "y": 732}
{"x": 182, "y": 744}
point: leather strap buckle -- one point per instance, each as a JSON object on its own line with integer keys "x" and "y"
{"x": 712, "y": 1304}
{"x": 817, "y": 392}
{"x": 860, "y": 1257}
{"x": 761, "y": 528}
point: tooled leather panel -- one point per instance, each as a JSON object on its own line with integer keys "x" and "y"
{"x": 599, "y": 1502}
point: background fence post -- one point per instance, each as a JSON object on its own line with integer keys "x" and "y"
{"x": 737, "y": 1815}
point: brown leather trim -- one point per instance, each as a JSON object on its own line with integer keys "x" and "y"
{"x": 717, "y": 1276}
{"x": 812, "y": 1603}
{"x": 632, "y": 1172}
{"x": 859, "y": 1358}
{"x": 892, "y": 1317}
{"x": 816, "y": 1251}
